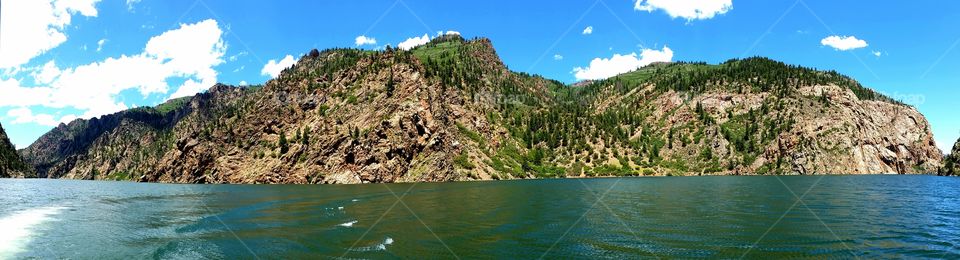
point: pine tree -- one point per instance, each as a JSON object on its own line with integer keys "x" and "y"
{"x": 284, "y": 147}
{"x": 306, "y": 136}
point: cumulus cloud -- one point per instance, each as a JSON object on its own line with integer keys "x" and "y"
{"x": 33, "y": 27}
{"x": 14, "y": 95}
{"x": 877, "y": 53}
{"x": 588, "y": 30}
{"x": 364, "y": 40}
{"x": 189, "y": 52}
{"x": 843, "y": 43}
{"x": 273, "y": 67}
{"x": 601, "y": 68}
{"x": 557, "y": 57}
{"x": 411, "y": 43}
{"x": 24, "y": 115}
{"x": 686, "y": 9}
{"x": 414, "y": 42}
{"x": 48, "y": 73}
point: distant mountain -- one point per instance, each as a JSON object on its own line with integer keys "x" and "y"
{"x": 11, "y": 165}
{"x": 951, "y": 164}
{"x": 450, "y": 110}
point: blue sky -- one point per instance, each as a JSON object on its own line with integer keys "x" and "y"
{"x": 66, "y": 59}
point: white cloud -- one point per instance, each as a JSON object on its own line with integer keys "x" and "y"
{"x": 24, "y": 115}
{"x": 364, "y": 40}
{"x": 448, "y": 33}
{"x": 601, "y": 68}
{"x": 189, "y": 53}
{"x": 243, "y": 83}
{"x": 588, "y": 30}
{"x": 14, "y": 95}
{"x": 411, "y": 43}
{"x": 877, "y": 53}
{"x": 273, "y": 68}
{"x": 131, "y": 3}
{"x": 100, "y": 44}
{"x": 687, "y": 9}
{"x": 191, "y": 87}
{"x": 237, "y": 56}
{"x": 414, "y": 42}
{"x": 48, "y": 73}
{"x": 557, "y": 57}
{"x": 33, "y": 27}
{"x": 843, "y": 43}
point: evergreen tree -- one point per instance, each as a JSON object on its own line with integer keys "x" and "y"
{"x": 284, "y": 147}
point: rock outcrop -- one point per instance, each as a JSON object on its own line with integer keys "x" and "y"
{"x": 450, "y": 110}
{"x": 11, "y": 165}
{"x": 951, "y": 164}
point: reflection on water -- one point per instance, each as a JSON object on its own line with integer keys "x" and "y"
{"x": 716, "y": 217}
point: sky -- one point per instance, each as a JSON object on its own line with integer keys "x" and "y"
{"x": 62, "y": 60}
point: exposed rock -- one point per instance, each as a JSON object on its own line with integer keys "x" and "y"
{"x": 450, "y": 110}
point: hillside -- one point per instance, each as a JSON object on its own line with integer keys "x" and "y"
{"x": 11, "y": 165}
{"x": 951, "y": 164}
{"x": 451, "y": 110}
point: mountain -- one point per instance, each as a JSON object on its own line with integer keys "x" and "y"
{"x": 11, "y": 165}
{"x": 951, "y": 164}
{"x": 451, "y": 110}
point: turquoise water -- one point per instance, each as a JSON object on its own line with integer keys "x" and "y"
{"x": 671, "y": 217}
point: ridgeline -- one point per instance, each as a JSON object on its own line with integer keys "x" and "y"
{"x": 451, "y": 110}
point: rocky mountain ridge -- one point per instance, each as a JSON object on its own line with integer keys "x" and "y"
{"x": 450, "y": 110}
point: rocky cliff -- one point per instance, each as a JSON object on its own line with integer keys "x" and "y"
{"x": 951, "y": 164}
{"x": 11, "y": 165}
{"x": 451, "y": 110}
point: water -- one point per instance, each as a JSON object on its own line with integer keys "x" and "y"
{"x": 686, "y": 217}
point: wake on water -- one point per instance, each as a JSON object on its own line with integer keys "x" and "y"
{"x": 378, "y": 247}
{"x": 17, "y": 229}
{"x": 348, "y": 224}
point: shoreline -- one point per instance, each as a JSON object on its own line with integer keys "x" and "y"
{"x": 485, "y": 181}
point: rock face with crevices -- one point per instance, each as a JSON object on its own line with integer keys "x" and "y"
{"x": 450, "y": 110}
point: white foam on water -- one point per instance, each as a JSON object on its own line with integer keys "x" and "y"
{"x": 340, "y": 208}
{"x": 377, "y": 247}
{"x": 17, "y": 229}
{"x": 348, "y": 224}
{"x": 354, "y": 200}
{"x": 383, "y": 246}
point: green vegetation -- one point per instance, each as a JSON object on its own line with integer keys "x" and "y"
{"x": 282, "y": 143}
{"x": 472, "y": 135}
{"x": 10, "y": 161}
{"x": 656, "y": 119}
{"x": 305, "y": 139}
{"x": 463, "y": 161}
{"x": 172, "y": 105}
{"x": 570, "y": 122}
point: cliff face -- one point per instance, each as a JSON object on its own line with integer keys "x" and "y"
{"x": 11, "y": 165}
{"x": 951, "y": 164}
{"x": 450, "y": 110}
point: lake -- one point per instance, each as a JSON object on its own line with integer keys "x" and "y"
{"x": 888, "y": 216}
